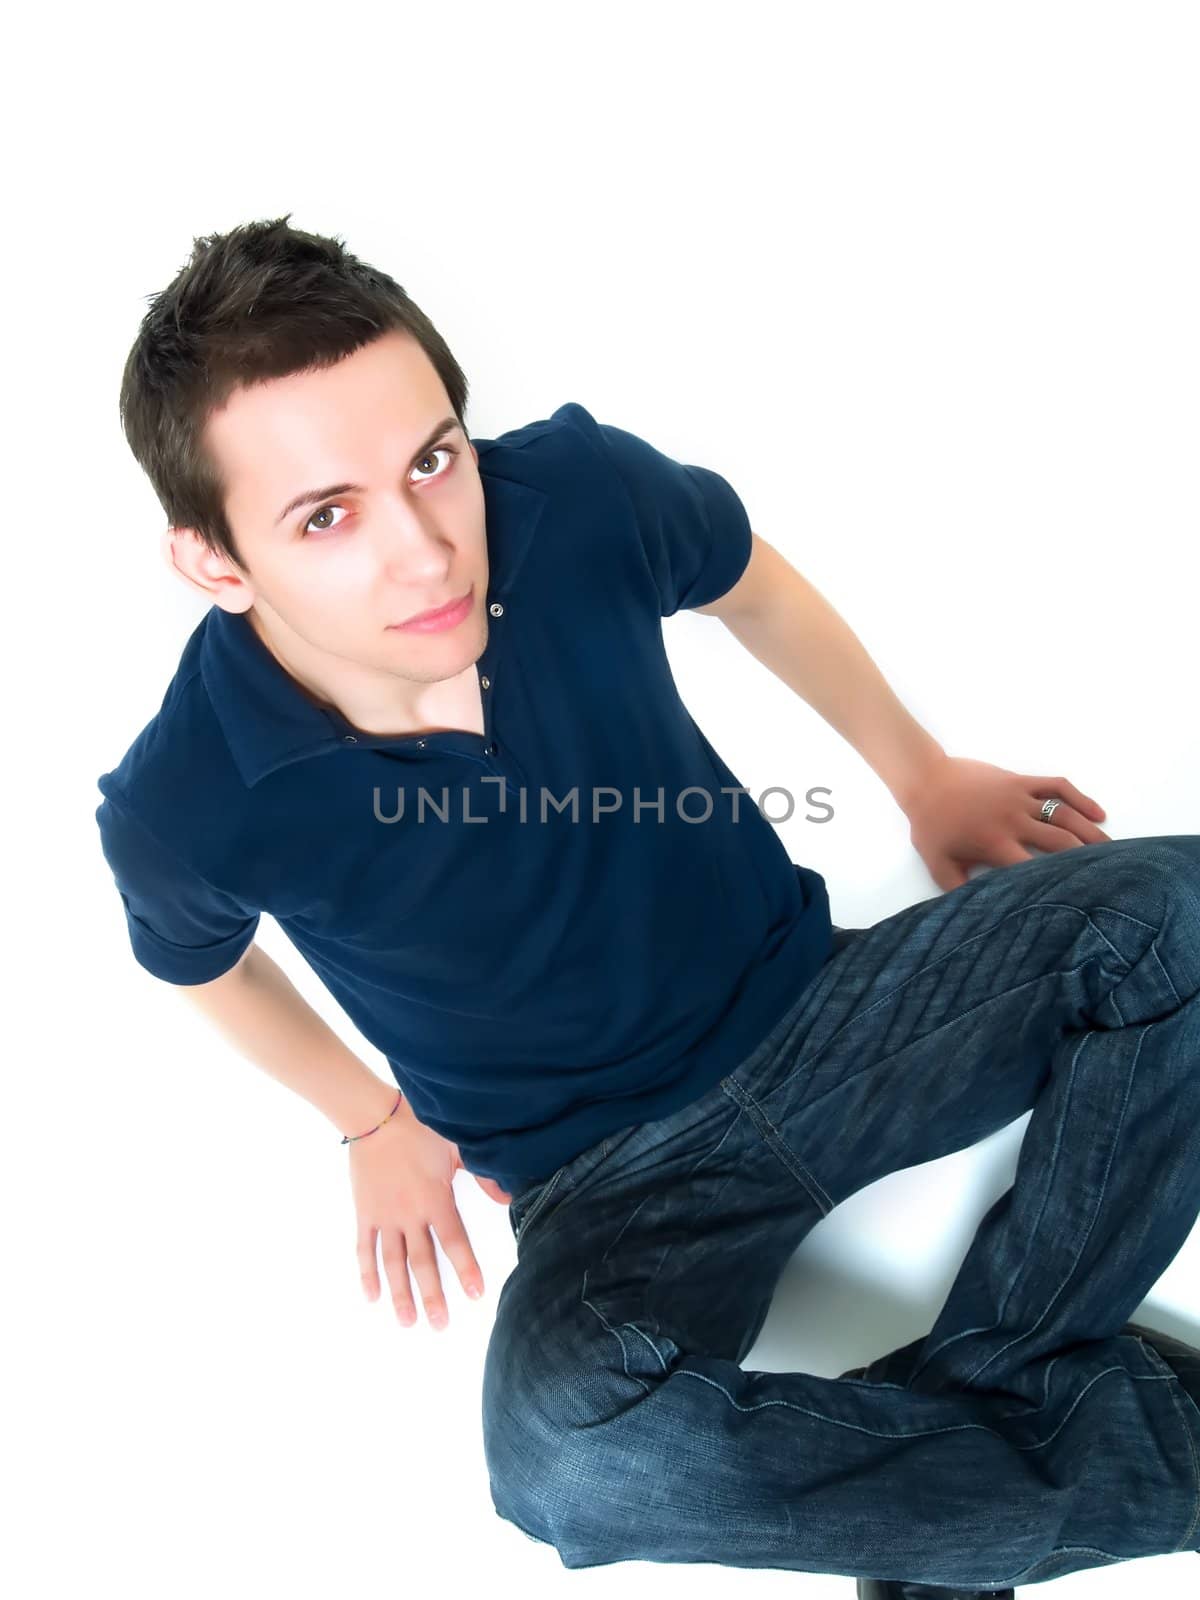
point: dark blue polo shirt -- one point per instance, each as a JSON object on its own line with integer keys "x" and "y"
{"x": 538, "y": 972}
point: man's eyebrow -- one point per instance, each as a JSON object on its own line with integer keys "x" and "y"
{"x": 309, "y": 495}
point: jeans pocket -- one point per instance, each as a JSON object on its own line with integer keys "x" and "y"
{"x": 530, "y": 1201}
{"x": 548, "y": 1193}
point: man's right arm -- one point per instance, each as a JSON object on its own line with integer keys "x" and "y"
{"x": 265, "y": 1018}
{"x": 401, "y": 1178}
{"x": 184, "y": 929}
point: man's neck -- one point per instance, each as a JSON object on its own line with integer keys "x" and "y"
{"x": 387, "y": 708}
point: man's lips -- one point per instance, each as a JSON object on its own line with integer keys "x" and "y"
{"x": 443, "y": 616}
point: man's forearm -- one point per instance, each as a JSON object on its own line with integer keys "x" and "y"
{"x": 799, "y": 636}
{"x": 263, "y": 1015}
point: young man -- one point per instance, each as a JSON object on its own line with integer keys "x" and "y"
{"x": 510, "y": 853}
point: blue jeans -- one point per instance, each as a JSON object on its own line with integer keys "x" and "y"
{"x": 1025, "y": 1436}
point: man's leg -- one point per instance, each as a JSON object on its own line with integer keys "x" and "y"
{"x": 1033, "y": 1439}
{"x": 1068, "y": 985}
{"x": 1101, "y": 944}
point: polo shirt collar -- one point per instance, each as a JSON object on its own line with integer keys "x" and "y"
{"x": 267, "y": 719}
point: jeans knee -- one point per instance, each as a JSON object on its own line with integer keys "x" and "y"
{"x": 1179, "y": 941}
{"x": 520, "y": 1471}
{"x": 1148, "y": 877}
{"x": 525, "y": 1431}
{"x": 1155, "y": 881}
{"x": 530, "y": 1487}
{"x": 1185, "y": 849}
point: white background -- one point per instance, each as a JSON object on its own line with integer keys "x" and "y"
{"x": 921, "y": 281}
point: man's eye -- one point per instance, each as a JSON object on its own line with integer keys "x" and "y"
{"x": 438, "y": 450}
{"x": 324, "y": 527}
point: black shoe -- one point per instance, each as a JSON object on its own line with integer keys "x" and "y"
{"x": 892, "y": 1589}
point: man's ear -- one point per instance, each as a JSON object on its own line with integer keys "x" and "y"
{"x": 205, "y": 571}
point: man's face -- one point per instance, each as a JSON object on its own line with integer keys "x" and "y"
{"x": 328, "y": 580}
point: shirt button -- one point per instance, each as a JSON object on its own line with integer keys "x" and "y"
{"x": 492, "y": 748}
{"x": 420, "y": 744}
{"x": 496, "y": 609}
{"x": 486, "y": 683}
{"x": 348, "y": 738}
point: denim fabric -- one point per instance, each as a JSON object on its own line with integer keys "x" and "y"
{"x": 1025, "y": 1436}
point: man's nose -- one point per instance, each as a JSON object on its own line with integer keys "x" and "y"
{"x": 408, "y": 550}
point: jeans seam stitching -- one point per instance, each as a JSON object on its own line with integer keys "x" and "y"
{"x": 537, "y": 1205}
{"x": 1195, "y": 1522}
{"x": 1039, "y": 1564}
{"x": 948, "y": 1022}
{"x": 1045, "y": 1201}
{"x": 1125, "y": 917}
{"x": 962, "y": 944}
{"x": 604, "y": 1322}
{"x": 1161, "y": 967}
{"x": 915, "y": 1433}
{"x": 780, "y": 1148}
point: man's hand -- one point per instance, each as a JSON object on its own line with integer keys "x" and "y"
{"x": 402, "y": 1177}
{"x": 967, "y": 812}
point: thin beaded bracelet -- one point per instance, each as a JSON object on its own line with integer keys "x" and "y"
{"x": 349, "y": 1138}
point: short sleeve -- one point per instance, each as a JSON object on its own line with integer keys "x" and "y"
{"x": 694, "y": 527}
{"x": 181, "y": 928}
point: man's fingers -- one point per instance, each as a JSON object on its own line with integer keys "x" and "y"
{"x": 368, "y": 1268}
{"x": 1061, "y": 789}
{"x": 395, "y": 1264}
{"x": 1046, "y": 836}
{"x": 414, "y": 1252}
{"x": 422, "y": 1262}
{"x": 1067, "y": 820}
{"x": 452, "y": 1236}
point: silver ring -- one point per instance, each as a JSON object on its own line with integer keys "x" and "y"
{"x": 1048, "y": 809}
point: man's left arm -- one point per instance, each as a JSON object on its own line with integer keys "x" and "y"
{"x": 961, "y": 812}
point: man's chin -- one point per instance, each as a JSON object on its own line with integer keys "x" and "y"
{"x": 433, "y": 665}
